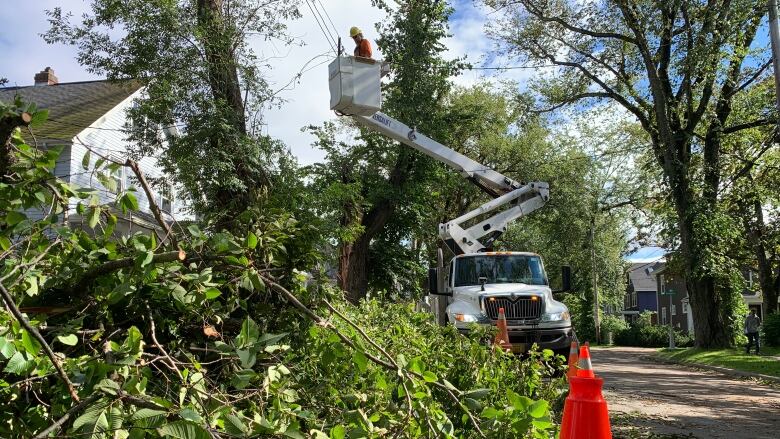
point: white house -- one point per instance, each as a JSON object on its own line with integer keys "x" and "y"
{"x": 93, "y": 113}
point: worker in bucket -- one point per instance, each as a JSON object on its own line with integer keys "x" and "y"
{"x": 362, "y": 45}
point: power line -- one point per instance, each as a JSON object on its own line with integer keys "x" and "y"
{"x": 335, "y": 29}
{"x": 511, "y": 67}
{"x": 328, "y": 36}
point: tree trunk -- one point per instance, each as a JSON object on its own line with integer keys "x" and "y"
{"x": 223, "y": 77}
{"x": 9, "y": 123}
{"x": 354, "y": 258}
{"x": 353, "y": 269}
{"x": 766, "y": 279}
{"x": 710, "y": 322}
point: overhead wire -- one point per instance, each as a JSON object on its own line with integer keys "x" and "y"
{"x": 335, "y": 29}
{"x": 327, "y": 34}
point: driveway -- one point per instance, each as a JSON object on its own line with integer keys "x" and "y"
{"x": 648, "y": 398}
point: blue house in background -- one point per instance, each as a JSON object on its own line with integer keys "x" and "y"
{"x": 642, "y": 285}
{"x": 642, "y": 290}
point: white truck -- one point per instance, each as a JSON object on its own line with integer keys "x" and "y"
{"x": 475, "y": 282}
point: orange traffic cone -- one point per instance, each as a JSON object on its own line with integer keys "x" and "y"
{"x": 573, "y": 357}
{"x": 502, "y": 338}
{"x": 585, "y": 414}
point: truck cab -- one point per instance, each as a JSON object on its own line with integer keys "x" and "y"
{"x": 476, "y": 285}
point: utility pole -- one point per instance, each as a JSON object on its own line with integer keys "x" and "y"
{"x": 774, "y": 36}
{"x": 595, "y": 276}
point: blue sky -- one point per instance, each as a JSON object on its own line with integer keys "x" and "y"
{"x": 646, "y": 254}
{"x": 25, "y": 53}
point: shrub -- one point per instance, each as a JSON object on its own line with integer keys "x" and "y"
{"x": 651, "y": 336}
{"x": 612, "y": 324}
{"x": 771, "y": 329}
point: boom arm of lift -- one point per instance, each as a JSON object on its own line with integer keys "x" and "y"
{"x": 524, "y": 198}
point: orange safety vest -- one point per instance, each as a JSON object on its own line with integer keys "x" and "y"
{"x": 363, "y": 49}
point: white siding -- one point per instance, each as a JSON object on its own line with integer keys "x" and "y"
{"x": 106, "y": 137}
{"x": 61, "y": 169}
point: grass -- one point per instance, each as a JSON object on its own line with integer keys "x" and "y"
{"x": 730, "y": 358}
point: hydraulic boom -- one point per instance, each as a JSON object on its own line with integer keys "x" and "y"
{"x": 524, "y": 198}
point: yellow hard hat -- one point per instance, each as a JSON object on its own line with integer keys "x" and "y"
{"x": 354, "y": 30}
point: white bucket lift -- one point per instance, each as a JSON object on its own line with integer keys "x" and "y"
{"x": 355, "y": 85}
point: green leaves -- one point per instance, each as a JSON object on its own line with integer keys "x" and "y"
{"x": 85, "y": 161}
{"x": 30, "y": 344}
{"x": 360, "y": 360}
{"x": 13, "y": 218}
{"x": 183, "y": 430}
{"x": 249, "y": 335}
{"x": 251, "y": 241}
{"x": 20, "y": 363}
{"x": 68, "y": 340}
{"x": 128, "y": 202}
{"x": 94, "y": 216}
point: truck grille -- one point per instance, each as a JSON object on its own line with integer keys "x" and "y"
{"x": 521, "y": 308}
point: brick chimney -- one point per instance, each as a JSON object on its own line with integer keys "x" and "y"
{"x": 46, "y": 77}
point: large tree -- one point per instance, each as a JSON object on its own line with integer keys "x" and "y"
{"x": 677, "y": 67}
{"x": 200, "y": 73}
{"x": 386, "y": 177}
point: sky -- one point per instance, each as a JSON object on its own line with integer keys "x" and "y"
{"x": 24, "y": 53}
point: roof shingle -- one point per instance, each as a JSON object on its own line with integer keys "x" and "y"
{"x": 72, "y": 106}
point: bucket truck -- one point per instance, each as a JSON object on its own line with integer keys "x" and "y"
{"x": 475, "y": 282}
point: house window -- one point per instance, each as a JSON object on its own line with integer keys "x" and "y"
{"x": 663, "y": 283}
{"x": 633, "y": 299}
{"x": 674, "y": 309}
{"x": 166, "y": 199}
{"x": 663, "y": 315}
{"x": 685, "y": 308}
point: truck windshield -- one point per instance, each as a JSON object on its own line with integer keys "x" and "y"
{"x": 499, "y": 269}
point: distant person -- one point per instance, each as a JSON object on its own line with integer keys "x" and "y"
{"x": 362, "y": 45}
{"x": 752, "y": 323}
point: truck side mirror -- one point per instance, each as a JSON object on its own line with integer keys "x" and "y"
{"x": 565, "y": 279}
{"x": 433, "y": 283}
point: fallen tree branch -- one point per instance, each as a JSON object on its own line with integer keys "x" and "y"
{"x": 57, "y": 425}
{"x": 392, "y": 366}
{"x": 158, "y": 345}
{"x": 9, "y": 301}
{"x": 81, "y": 285}
{"x": 132, "y": 164}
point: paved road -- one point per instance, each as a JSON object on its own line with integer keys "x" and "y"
{"x": 672, "y": 400}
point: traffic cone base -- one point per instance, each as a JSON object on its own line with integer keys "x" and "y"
{"x": 585, "y": 413}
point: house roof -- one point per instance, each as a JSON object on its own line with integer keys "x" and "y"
{"x": 73, "y": 106}
{"x": 640, "y": 279}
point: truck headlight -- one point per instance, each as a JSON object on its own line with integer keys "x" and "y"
{"x": 467, "y": 318}
{"x": 557, "y": 316}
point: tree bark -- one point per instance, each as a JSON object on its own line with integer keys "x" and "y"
{"x": 222, "y": 68}
{"x": 355, "y": 257}
{"x": 770, "y": 287}
{"x": 9, "y": 123}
